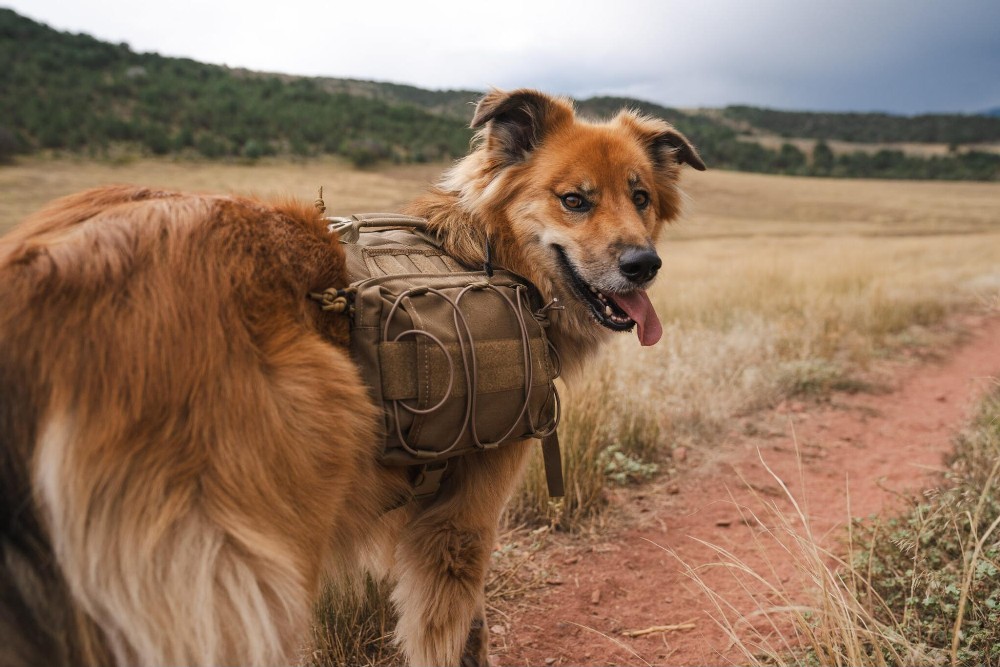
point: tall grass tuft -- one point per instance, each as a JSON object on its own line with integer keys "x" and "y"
{"x": 607, "y": 436}
{"x": 922, "y": 587}
{"x": 841, "y": 622}
{"x": 354, "y": 627}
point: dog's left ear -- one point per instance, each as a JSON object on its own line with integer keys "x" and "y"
{"x": 517, "y": 122}
{"x": 663, "y": 142}
{"x": 671, "y": 144}
{"x": 668, "y": 149}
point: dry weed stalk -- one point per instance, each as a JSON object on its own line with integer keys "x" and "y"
{"x": 836, "y": 626}
{"x": 973, "y": 559}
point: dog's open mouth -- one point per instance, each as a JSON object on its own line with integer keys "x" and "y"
{"x": 603, "y": 307}
{"x": 618, "y": 312}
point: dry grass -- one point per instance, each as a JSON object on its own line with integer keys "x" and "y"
{"x": 758, "y": 207}
{"x": 835, "y": 624}
{"x": 31, "y": 183}
{"x": 355, "y": 628}
{"x": 751, "y": 322}
{"x": 921, "y": 587}
{"x": 607, "y": 436}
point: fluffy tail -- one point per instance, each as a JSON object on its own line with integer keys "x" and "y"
{"x": 178, "y": 423}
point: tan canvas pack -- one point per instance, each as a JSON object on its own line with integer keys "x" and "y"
{"x": 458, "y": 358}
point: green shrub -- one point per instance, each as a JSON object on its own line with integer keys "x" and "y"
{"x": 940, "y": 560}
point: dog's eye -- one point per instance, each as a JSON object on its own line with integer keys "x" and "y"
{"x": 640, "y": 199}
{"x": 575, "y": 202}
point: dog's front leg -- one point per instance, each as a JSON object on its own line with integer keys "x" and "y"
{"x": 477, "y": 644}
{"x": 442, "y": 558}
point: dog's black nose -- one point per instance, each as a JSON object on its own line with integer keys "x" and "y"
{"x": 639, "y": 264}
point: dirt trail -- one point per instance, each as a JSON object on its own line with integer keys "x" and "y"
{"x": 880, "y": 445}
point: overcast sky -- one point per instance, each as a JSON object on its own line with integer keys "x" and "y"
{"x": 902, "y": 56}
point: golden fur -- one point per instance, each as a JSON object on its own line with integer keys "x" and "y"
{"x": 187, "y": 450}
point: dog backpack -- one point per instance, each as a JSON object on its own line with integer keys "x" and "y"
{"x": 458, "y": 358}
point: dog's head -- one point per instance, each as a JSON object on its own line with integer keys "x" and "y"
{"x": 577, "y": 206}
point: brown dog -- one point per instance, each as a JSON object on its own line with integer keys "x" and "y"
{"x": 187, "y": 449}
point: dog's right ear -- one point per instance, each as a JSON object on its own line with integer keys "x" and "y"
{"x": 516, "y": 122}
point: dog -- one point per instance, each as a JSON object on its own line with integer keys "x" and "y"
{"x": 188, "y": 451}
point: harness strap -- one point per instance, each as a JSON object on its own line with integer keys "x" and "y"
{"x": 553, "y": 465}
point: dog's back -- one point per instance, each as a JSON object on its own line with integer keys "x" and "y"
{"x": 180, "y": 419}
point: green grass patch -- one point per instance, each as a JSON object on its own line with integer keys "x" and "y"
{"x": 934, "y": 571}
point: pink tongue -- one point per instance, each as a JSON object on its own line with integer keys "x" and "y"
{"x": 637, "y": 305}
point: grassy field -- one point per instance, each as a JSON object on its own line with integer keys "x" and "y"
{"x": 721, "y": 203}
{"x": 26, "y": 187}
{"x": 772, "y": 287}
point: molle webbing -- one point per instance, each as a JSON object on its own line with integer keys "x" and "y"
{"x": 424, "y": 329}
{"x": 496, "y": 372}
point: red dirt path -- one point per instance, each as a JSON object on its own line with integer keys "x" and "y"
{"x": 882, "y": 445}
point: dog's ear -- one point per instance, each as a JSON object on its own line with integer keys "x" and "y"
{"x": 671, "y": 144}
{"x": 668, "y": 149}
{"x": 662, "y": 140}
{"x": 516, "y": 122}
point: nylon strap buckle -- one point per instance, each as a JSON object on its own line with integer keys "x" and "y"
{"x": 428, "y": 479}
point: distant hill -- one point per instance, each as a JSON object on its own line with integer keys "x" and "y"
{"x": 872, "y": 127}
{"x": 991, "y": 112}
{"x": 72, "y": 93}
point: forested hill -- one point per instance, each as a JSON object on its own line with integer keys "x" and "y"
{"x": 954, "y": 129}
{"x": 73, "y": 92}
{"x": 65, "y": 92}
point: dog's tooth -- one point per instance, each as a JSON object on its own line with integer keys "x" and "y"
{"x": 607, "y": 310}
{"x": 593, "y": 289}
